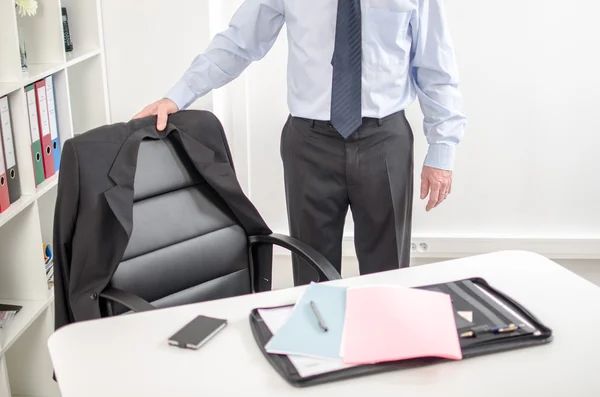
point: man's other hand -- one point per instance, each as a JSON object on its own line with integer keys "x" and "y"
{"x": 162, "y": 109}
{"x": 437, "y": 183}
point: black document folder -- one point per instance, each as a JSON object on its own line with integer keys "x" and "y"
{"x": 10, "y": 308}
{"x": 485, "y": 305}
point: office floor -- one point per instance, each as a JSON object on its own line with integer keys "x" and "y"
{"x": 282, "y": 269}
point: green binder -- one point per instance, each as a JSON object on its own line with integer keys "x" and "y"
{"x": 36, "y": 144}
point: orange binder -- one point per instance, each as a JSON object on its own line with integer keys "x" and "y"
{"x": 45, "y": 132}
{"x": 4, "y": 197}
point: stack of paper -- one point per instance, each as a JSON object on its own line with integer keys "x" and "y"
{"x": 305, "y": 365}
{"x": 364, "y": 325}
{"x": 7, "y": 313}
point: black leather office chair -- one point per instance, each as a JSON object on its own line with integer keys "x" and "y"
{"x": 186, "y": 246}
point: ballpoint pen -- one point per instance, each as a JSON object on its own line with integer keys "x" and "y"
{"x": 481, "y": 329}
{"x": 473, "y": 332}
{"x": 318, "y": 315}
{"x": 507, "y": 328}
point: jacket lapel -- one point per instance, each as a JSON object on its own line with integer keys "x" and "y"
{"x": 120, "y": 201}
{"x": 221, "y": 177}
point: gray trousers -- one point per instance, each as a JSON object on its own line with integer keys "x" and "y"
{"x": 371, "y": 173}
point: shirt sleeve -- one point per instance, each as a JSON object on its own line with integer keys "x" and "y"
{"x": 435, "y": 75}
{"x": 251, "y": 33}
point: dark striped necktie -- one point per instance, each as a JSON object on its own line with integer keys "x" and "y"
{"x": 346, "y": 87}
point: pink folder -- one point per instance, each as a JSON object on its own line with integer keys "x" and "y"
{"x": 389, "y": 323}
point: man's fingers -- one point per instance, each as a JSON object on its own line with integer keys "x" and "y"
{"x": 140, "y": 115}
{"x": 424, "y": 188}
{"x": 437, "y": 183}
{"x": 442, "y": 196}
{"x": 161, "y": 120}
{"x": 434, "y": 196}
{"x": 147, "y": 111}
{"x": 161, "y": 110}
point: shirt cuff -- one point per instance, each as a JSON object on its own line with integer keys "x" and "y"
{"x": 440, "y": 156}
{"x": 181, "y": 95}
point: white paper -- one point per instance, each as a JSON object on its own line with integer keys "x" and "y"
{"x": 467, "y": 315}
{"x": 6, "y": 318}
{"x": 275, "y": 318}
{"x": 306, "y": 366}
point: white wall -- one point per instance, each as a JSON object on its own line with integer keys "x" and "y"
{"x": 526, "y": 172}
{"x": 149, "y": 44}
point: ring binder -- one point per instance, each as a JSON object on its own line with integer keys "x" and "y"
{"x": 12, "y": 169}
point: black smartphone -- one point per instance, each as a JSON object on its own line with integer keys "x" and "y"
{"x": 66, "y": 30}
{"x": 197, "y": 332}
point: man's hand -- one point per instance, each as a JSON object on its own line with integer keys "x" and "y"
{"x": 162, "y": 109}
{"x": 436, "y": 182}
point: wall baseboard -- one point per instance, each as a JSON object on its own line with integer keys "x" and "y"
{"x": 457, "y": 247}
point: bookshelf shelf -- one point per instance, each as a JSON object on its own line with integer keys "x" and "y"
{"x": 8, "y": 87}
{"x": 37, "y": 71}
{"x": 46, "y": 186}
{"x": 77, "y": 56}
{"x": 16, "y": 208}
{"x": 27, "y": 315}
{"x": 81, "y": 103}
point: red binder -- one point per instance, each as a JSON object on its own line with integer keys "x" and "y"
{"x": 4, "y": 197}
{"x": 45, "y": 131}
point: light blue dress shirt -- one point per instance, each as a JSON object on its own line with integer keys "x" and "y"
{"x": 407, "y": 54}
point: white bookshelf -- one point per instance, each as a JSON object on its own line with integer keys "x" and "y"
{"x": 81, "y": 104}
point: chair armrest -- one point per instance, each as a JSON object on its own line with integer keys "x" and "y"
{"x": 303, "y": 250}
{"x": 127, "y": 299}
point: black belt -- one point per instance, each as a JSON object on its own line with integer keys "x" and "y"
{"x": 365, "y": 120}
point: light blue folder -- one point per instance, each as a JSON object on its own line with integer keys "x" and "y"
{"x": 301, "y": 334}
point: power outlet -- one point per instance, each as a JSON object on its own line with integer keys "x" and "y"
{"x": 413, "y": 247}
{"x": 423, "y": 247}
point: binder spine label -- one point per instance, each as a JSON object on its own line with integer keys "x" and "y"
{"x": 41, "y": 91}
{"x": 2, "y": 169}
{"x": 5, "y": 125}
{"x": 33, "y": 119}
{"x": 51, "y": 108}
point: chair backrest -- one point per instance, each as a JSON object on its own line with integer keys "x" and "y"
{"x": 186, "y": 246}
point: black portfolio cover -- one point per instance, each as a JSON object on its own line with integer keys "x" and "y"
{"x": 10, "y": 308}
{"x": 488, "y": 306}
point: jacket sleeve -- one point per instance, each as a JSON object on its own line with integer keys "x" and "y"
{"x": 65, "y": 215}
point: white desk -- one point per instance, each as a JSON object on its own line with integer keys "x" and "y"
{"x": 129, "y": 356}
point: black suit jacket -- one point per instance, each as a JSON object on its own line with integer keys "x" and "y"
{"x": 94, "y": 207}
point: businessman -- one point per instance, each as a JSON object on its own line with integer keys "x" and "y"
{"x": 353, "y": 67}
